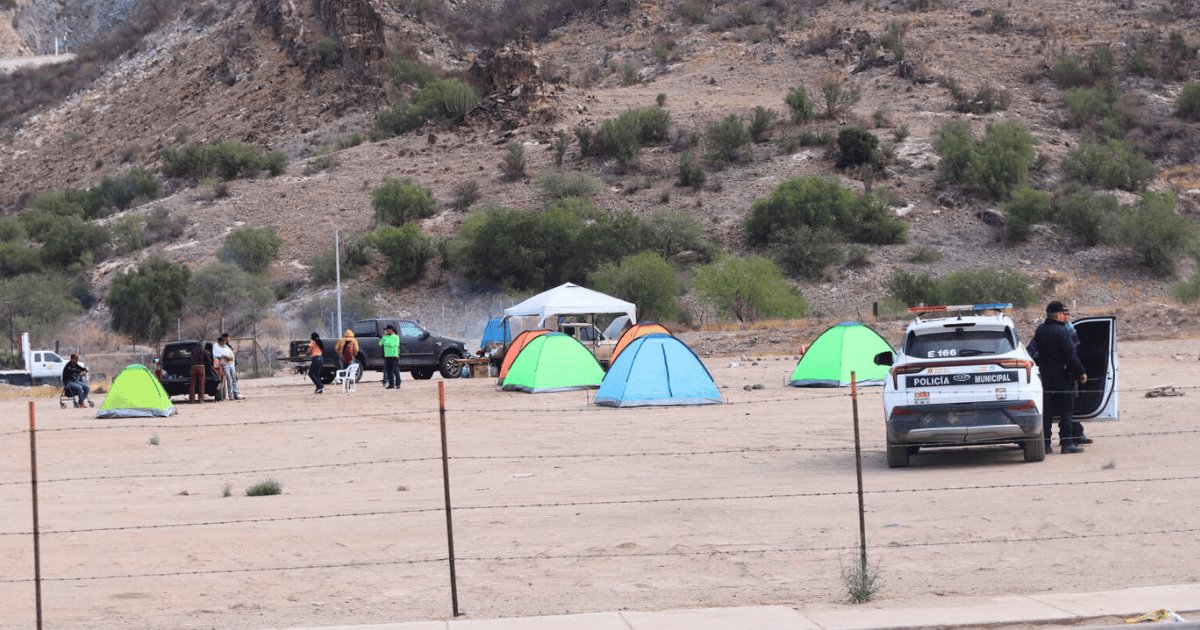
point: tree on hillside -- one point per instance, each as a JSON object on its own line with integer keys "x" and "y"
{"x": 229, "y": 295}
{"x": 146, "y": 301}
{"x": 252, "y": 249}
{"x": 748, "y": 289}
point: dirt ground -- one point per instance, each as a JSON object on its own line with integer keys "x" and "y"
{"x": 562, "y": 507}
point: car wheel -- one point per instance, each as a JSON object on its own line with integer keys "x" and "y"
{"x": 327, "y": 376}
{"x": 897, "y": 456}
{"x": 421, "y": 375}
{"x": 1034, "y": 448}
{"x": 449, "y": 366}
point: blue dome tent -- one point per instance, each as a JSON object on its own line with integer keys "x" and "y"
{"x": 657, "y": 370}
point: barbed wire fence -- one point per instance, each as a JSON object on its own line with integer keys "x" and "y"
{"x": 449, "y": 558}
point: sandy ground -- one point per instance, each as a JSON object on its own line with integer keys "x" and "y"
{"x": 561, "y": 507}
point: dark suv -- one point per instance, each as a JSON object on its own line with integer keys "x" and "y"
{"x": 177, "y": 369}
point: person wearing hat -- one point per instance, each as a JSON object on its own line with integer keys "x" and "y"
{"x": 75, "y": 383}
{"x": 1058, "y": 361}
{"x": 391, "y": 357}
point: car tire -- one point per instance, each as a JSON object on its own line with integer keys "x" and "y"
{"x": 1034, "y": 448}
{"x": 897, "y": 456}
{"x": 449, "y": 365}
{"x": 327, "y": 376}
{"x": 421, "y": 375}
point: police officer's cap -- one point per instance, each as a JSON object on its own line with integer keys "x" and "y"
{"x": 1056, "y": 307}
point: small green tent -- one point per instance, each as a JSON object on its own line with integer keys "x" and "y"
{"x": 553, "y": 362}
{"x": 136, "y": 393}
{"x": 843, "y": 348}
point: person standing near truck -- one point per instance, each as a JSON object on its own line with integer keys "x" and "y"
{"x": 346, "y": 349}
{"x": 224, "y": 355}
{"x": 391, "y": 357}
{"x": 74, "y": 383}
{"x": 200, "y": 362}
{"x": 316, "y": 354}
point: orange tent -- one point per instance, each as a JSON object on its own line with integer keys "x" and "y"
{"x": 515, "y": 348}
{"x": 633, "y": 332}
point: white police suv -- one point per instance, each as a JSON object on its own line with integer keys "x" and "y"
{"x": 962, "y": 377}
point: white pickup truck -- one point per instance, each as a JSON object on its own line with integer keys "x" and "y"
{"x": 42, "y": 367}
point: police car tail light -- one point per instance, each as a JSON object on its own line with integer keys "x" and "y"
{"x": 900, "y": 370}
{"x": 1019, "y": 364}
{"x": 1028, "y": 404}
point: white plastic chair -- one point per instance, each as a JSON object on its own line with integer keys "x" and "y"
{"x": 347, "y": 377}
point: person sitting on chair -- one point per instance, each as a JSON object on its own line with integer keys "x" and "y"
{"x": 74, "y": 384}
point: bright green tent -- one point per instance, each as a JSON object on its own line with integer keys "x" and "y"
{"x": 553, "y": 362}
{"x": 136, "y": 393}
{"x": 843, "y": 348}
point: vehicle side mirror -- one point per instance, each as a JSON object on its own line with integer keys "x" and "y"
{"x": 424, "y": 335}
{"x": 884, "y": 358}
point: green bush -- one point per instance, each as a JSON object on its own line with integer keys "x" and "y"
{"x": 327, "y": 52}
{"x": 558, "y": 185}
{"x": 801, "y": 104}
{"x": 18, "y": 258}
{"x": 1089, "y": 215}
{"x": 397, "y": 202}
{"x": 1099, "y": 66}
{"x": 1110, "y": 164}
{"x": 691, "y": 172}
{"x": 805, "y": 252}
{"x": 761, "y": 121}
{"x": 44, "y": 313}
{"x": 265, "y": 488}
{"x": 1187, "y": 291}
{"x": 856, "y": 146}
{"x": 145, "y": 303}
{"x": 993, "y": 166}
{"x": 232, "y": 159}
{"x": 924, "y": 254}
{"x": 673, "y": 232}
{"x": 73, "y": 242}
{"x": 645, "y": 279}
{"x": 395, "y": 120}
{"x": 748, "y": 289}
{"x": 1187, "y": 106}
{"x": 160, "y": 226}
{"x": 227, "y": 159}
{"x": 838, "y": 95}
{"x": 624, "y": 136}
{"x": 724, "y": 141}
{"x": 820, "y": 203}
{"x": 956, "y": 149}
{"x": 252, "y": 249}
{"x": 129, "y": 234}
{"x": 1026, "y": 208}
{"x": 11, "y": 230}
{"x": 405, "y": 71}
{"x": 127, "y": 190}
{"x": 441, "y": 99}
{"x": 355, "y": 255}
{"x": 406, "y": 250}
{"x": 1156, "y": 234}
{"x": 513, "y": 164}
{"x": 965, "y": 286}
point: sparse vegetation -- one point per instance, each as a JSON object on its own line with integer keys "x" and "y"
{"x": 227, "y": 159}
{"x": 407, "y": 251}
{"x": 820, "y": 203}
{"x": 924, "y": 255}
{"x": 1097, "y": 68}
{"x": 513, "y": 164}
{"x": 1187, "y": 291}
{"x": 557, "y": 185}
{"x": 801, "y": 104}
{"x": 1109, "y": 164}
{"x": 397, "y": 202}
{"x": 839, "y": 94}
{"x": 1026, "y": 208}
{"x": 252, "y": 249}
{"x": 1187, "y": 106}
{"x": 266, "y": 487}
{"x": 407, "y": 71}
{"x": 327, "y": 52}
{"x": 861, "y": 582}
{"x": 466, "y": 193}
{"x": 724, "y": 141}
{"x": 1156, "y": 234}
{"x": 965, "y": 286}
{"x": 355, "y": 255}
{"x": 761, "y": 121}
{"x": 624, "y": 136}
{"x": 993, "y": 166}
{"x": 445, "y": 100}
{"x": 691, "y": 172}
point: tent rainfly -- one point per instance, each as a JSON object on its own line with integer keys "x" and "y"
{"x": 657, "y": 370}
{"x": 843, "y": 348}
{"x": 633, "y": 332}
{"x": 571, "y": 299}
{"x": 136, "y": 393}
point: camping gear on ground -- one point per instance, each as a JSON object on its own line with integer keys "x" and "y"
{"x": 843, "y": 348}
{"x": 633, "y": 332}
{"x": 136, "y": 393}
{"x": 514, "y": 349}
{"x": 657, "y": 369}
{"x": 553, "y": 362}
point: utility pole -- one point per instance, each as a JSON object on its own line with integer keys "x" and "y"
{"x": 337, "y": 275}
{"x": 12, "y": 340}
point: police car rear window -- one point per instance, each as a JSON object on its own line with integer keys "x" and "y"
{"x": 959, "y": 343}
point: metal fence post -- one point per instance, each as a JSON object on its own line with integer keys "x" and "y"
{"x": 37, "y": 545}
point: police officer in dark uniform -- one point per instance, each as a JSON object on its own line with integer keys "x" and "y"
{"x": 1058, "y": 361}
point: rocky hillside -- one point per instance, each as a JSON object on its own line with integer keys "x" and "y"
{"x": 254, "y": 71}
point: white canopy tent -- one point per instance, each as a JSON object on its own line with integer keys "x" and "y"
{"x": 571, "y": 299}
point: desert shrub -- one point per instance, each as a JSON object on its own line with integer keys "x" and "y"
{"x": 229, "y": 294}
{"x": 352, "y": 140}
{"x": 442, "y": 99}
{"x": 407, "y": 251}
{"x": 1156, "y": 234}
{"x": 43, "y": 313}
{"x": 691, "y": 172}
{"x": 406, "y": 71}
{"x": 724, "y": 141}
{"x": 1026, "y": 208}
{"x": 1187, "y": 106}
{"x": 924, "y": 255}
{"x": 18, "y": 258}
{"x": 900, "y": 134}
{"x": 396, "y": 119}
{"x": 466, "y": 193}
{"x": 761, "y": 121}
{"x": 265, "y": 488}
{"x": 160, "y": 226}
{"x": 1097, "y": 67}
{"x": 1109, "y": 164}
{"x": 228, "y": 159}
{"x": 326, "y": 51}
{"x": 1088, "y": 215}
{"x": 145, "y": 302}
{"x": 839, "y": 94}
{"x": 397, "y": 202}
{"x": 624, "y": 136}
{"x": 232, "y": 159}
{"x": 252, "y": 249}
{"x": 748, "y": 289}
{"x": 68, "y": 202}
{"x": 956, "y": 149}
{"x": 987, "y": 99}
{"x": 629, "y": 75}
{"x": 801, "y": 104}
{"x": 557, "y": 185}
{"x": 964, "y": 286}
{"x": 191, "y": 161}
{"x": 856, "y": 146}
{"x": 805, "y": 252}
{"x": 1187, "y": 291}
{"x": 674, "y": 232}
{"x": 820, "y": 203}
{"x": 320, "y": 163}
{"x": 560, "y": 147}
{"x": 355, "y": 255}
{"x": 993, "y": 166}
{"x": 512, "y": 166}
{"x": 11, "y": 230}
{"x": 584, "y": 136}
{"x": 127, "y": 190}
{"x": 128, "y": 234}
{"x": 72, "y": 242}
{"x": 527, "y": 250}
{"x": 645, "y": 279}
{"x": 892, "y": 38}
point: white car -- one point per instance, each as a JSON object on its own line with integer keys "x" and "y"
{"x": 966, "y": 379}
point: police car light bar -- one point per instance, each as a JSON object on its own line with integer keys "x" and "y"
{"x": 998, "y": 306}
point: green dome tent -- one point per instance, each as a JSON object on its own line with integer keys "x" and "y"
{"x": 843, "y": 348}
{"x": 553, "y": 362}
{"x": 136, "y": 393}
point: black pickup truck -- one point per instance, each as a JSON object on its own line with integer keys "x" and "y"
{"x": 421, "y": 354}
